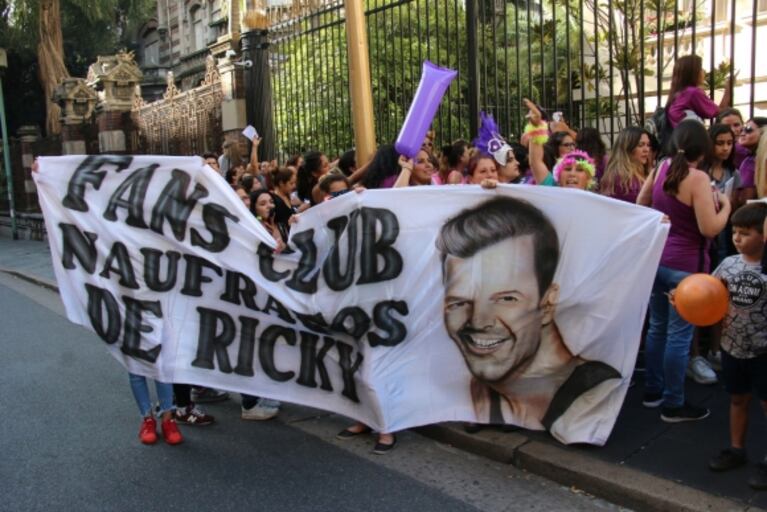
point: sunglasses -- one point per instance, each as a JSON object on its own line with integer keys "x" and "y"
{"x": 749, "y": 129}
{"x": 568, "y": 144}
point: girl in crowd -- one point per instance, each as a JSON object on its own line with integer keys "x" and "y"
{"x": 683, "y": 193}
{"x": 749, "y": 139}
{"x": 148, "y": 432}
{"x": 417, "y": 171}
{"x": 721, "y": 170}
{"x": 590, "y": 140}
{"x": 482, "y": 168}
{"x": 627, "y": 167}
{"x": 284, "y": 183}
{"x": 315, "y": 166}
{"x": 686, "y": 97}
{"x": 262, "y": 206}
{"x": 734, "y": 119}
{"x": 490, "y": 143}
{"x": 384, "y": 169}
{"x": 455, "y": 159}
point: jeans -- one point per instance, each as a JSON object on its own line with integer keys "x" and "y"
{"x": 667, "y": 347}
{"x": 141, "y": 393}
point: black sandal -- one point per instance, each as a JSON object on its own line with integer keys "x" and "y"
{"x": 381, "y": 448}
{"x": 348, "y": 434}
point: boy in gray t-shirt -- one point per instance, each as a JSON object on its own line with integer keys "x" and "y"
{"x": 744, "y": 335}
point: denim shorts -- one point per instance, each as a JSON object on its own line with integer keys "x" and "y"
{"x": 745, "y": 376}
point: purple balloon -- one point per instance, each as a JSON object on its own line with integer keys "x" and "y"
{"x": 434, "y": 82}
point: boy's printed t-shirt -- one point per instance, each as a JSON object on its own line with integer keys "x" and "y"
{"x": 744, "y": 330}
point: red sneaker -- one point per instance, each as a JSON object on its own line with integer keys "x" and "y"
{"x": 170, "y": 432}
{"x": 148, "y": 432}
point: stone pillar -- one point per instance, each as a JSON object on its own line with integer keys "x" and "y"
{"x": 28, "y": 137}
{"x": 115, "y": 77}
{"x": 77, "y": 102}
{"x": 258, "y": 88}
{"x": 233, "y": 118}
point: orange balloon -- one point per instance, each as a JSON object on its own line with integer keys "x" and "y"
{"x": 701, "y": 299}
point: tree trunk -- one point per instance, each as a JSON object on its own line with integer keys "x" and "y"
{"x": 50, "y": 56}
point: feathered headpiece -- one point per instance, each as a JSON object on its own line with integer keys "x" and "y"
{"x": 489, "y": 140}
{"x": 578, "y": 158}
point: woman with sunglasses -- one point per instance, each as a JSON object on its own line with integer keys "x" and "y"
{"x": 749, "y": 139}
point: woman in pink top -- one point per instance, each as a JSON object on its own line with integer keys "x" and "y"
{"x": 686, "y": 95}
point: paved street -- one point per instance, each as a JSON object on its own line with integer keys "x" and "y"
{"x": 69, "y": 442}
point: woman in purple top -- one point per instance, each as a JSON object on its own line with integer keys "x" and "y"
{"x": 749, "y": 139}
{"x": 686, "y": 95}
{"x": 627, "y": 167}
{"x": 696, "y": 212}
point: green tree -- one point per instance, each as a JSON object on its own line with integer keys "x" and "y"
{"x": 35, "y": 28}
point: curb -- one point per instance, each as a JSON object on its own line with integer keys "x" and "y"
{"x": 39, "y": 281}
{"x": 617, "y": 483}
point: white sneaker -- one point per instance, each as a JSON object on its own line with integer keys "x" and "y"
{"x": 715, "y": 360}
{"x": 699, "y": 371}
{"x": 265, "y": 409}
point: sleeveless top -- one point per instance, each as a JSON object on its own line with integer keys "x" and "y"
{"x": 686, "y": 248}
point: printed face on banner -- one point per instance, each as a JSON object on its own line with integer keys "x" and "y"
{"x": 499, "y": 261}
{"x": 492, "y": 307}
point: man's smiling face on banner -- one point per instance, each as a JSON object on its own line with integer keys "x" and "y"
{"x": 493, "y": 307}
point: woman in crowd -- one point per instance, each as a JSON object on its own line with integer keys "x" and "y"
{"x": 749, "y": 139}
{"x": 417, "y": 171}
{"x": 347, "y": 163}
{"x": 686, "y": 98}
{"x": 558, "y": 145}
{"x": 627, "y": 167}
{"x": 590, "y": 140}
{"x": 482, "y": 168}
{"x": 230, "y": 156}
{"x": 384, "y": 169}
{"x": 683, "y": 193}
{"x": 455, "y": 158}
{"x": 315, "y": 166}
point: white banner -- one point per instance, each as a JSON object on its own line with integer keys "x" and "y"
{"x": 399, "y": 308}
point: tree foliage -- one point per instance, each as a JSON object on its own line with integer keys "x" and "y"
{"x": 89, "y": 28}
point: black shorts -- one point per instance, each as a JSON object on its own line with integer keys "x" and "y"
{"x": 745, "y": 376}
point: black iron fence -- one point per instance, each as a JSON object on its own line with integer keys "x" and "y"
{"x": 602, "y": 63}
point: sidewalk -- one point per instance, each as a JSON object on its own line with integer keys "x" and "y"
{"x": 646, "y": 464}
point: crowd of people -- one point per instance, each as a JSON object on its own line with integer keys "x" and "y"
{"x": 700, "y": 168}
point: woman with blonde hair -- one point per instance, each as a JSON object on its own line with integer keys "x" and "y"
{"x": 627, "y": 167}
{"x": 761, "y": 166}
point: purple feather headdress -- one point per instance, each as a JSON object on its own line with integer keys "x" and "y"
{"x": 489, "y": 140}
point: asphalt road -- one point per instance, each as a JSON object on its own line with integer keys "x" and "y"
{"x": 68, "y": 441}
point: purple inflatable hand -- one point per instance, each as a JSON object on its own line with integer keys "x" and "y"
{"x": 434, "y": 82}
